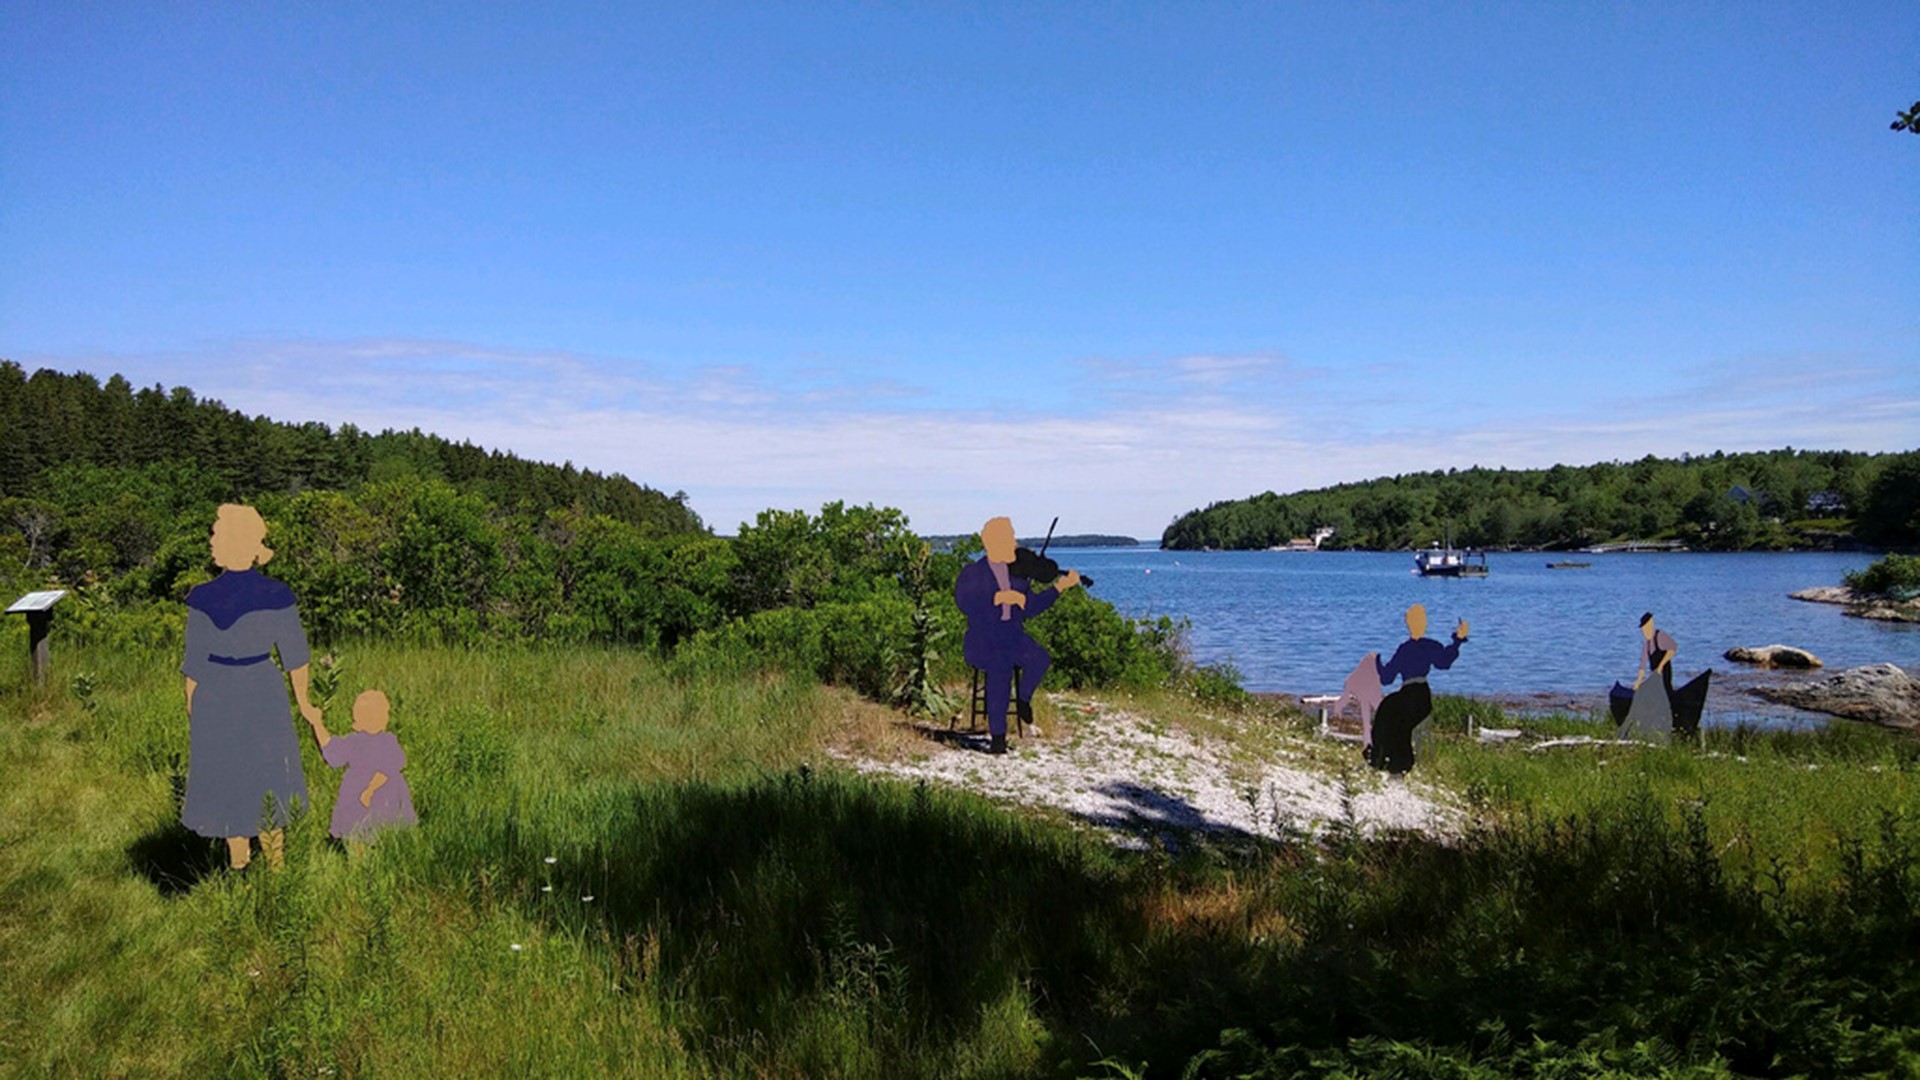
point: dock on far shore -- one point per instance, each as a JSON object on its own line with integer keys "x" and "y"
{"x": 1634, "y": 545}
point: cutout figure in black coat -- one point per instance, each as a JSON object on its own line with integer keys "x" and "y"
{"x": 1406, "y": 708}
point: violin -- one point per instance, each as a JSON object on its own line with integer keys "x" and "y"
{"x": 1035, "y": 566}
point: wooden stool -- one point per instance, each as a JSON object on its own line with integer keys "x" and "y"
{"x": 977, "y": 703}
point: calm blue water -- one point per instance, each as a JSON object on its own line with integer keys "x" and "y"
{"x": 1297, "y": 622}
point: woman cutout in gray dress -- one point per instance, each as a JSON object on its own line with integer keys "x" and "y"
{"x": 1650, "y": 717}
{"x": 243, "y": 766}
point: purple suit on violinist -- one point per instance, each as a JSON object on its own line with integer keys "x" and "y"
{"x": 997, "y": 606}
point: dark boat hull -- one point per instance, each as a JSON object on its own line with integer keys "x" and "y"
{"x": 1619, "y": 700}
{"x": 1688, "y": 702}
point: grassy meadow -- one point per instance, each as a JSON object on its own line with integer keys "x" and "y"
{"x": 624, "y": 868}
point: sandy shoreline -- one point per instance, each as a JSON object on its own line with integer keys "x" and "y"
{"x": 1140, "y": 780}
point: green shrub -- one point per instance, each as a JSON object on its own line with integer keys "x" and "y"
{"x": 859, "y": 645}
{"x": 1895, "y": 575}
{"x": 788, "y": 558}
{"x": 919, "y": 689}
{"x": 1094, "y": 645}
{"x": 88, "y": 616}
{"x": 1890, "y": 516}
{"x": 1216, "y": 684}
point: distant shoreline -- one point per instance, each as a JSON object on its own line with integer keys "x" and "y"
{"x": 1862, "y": 550}
{"x": 1124, "y": 543}
{"x": 946, "y": 541}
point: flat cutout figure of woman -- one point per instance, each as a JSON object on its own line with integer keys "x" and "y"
{"x": 1406, "y": 708}
{"x": 1363, "y": 689}
{"x": 1650, "y": 716}
{"x": 243, "y": 755}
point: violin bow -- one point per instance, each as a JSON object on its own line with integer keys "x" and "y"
{"x": 1049, "y": 539}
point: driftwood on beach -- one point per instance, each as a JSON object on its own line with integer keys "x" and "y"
{"x": 1584, "y": 740}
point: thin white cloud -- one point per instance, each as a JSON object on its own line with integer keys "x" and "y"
{"x": 1156, "y": 439}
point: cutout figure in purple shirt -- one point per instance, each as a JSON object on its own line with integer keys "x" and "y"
{"x": 373, "y": 794}
{"x": 1650, "y": 716}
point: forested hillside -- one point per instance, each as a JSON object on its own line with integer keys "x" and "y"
{"x": 54, "y": 420}
{"x": 1721, "y": 502}
{"x": 111, "y": 492}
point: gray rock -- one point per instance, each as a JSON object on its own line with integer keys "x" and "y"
{"x": 1826, "y": 594}
{"x": 1775, "y": 656}
{"x": 1878, "y": 694}
{"x": 1886, "y": 610}
{"x": 1862, "y": 605}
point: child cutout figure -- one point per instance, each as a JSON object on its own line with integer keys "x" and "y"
{"x": 373, "y": 794}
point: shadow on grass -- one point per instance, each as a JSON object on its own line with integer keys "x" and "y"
{"x": 173, "y": 858}
{"x": 1138, "y": 810}
{"x": 899, "y": 916}
{"x": 1145, "y": 809}
{"x": 773, "y": 908}
{"x": 958, "y": 737}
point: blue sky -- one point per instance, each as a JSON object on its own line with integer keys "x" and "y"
{"x": 1106, "y": 261}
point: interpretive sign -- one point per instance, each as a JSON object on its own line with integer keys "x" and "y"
{"x": 38, "y": 608}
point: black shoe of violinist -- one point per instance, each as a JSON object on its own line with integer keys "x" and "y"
{"x": 998, "y": 745}
{"x": 1025, "y": 711}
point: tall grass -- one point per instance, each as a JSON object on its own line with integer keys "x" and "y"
{"x": 694, "y": 891}
{"x": 1780, "y": 802}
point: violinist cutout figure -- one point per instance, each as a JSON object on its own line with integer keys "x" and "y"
{"x": 997, "y": 599}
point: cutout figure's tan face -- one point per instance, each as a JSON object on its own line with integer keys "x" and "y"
{"x": 1417, "y": 621}
{"x": 1646, "y": 629}
{"x": 370, "y": 711}
{"x": 238, "y": 538}
{"x": 997, "y": 537}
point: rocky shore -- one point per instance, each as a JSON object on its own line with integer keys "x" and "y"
{"x": 1774, "y": 656}
{"x": 1861, "y": 605}
{"x": 1880, "y": 694}
{"x": 1765, "y": 697}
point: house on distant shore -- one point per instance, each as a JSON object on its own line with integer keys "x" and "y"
{"x": 1301, "y": 543}
{"x": 1826, "y": 502}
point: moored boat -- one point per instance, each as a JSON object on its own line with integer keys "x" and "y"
{"x": 1448, "y": 562}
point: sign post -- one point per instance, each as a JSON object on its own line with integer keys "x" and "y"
{"x": 38, "y": 608}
